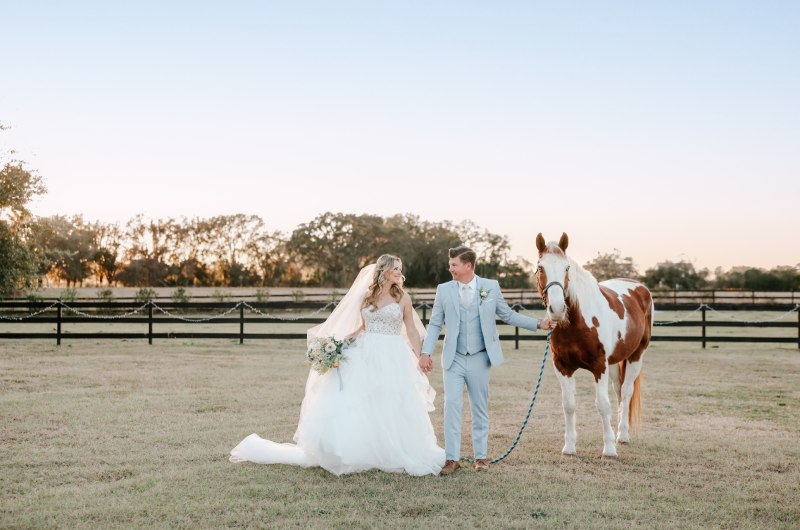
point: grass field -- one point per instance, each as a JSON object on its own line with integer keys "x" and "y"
{"x": 119, "y": 434}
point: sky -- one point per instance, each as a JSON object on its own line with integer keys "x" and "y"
{"x": 666, "y": 130}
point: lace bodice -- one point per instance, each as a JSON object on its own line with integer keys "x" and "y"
{"x": 388, "y": 320}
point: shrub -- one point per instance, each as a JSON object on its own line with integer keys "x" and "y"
{"x": 262, "y": 295}
{"x": 145, "y": 294}
{"x": 179, "y": 296}
{"x": 70, "y": 294}
{"x": 106, "y": 295}
{"x": 220, "y": 295}
{"x": 34, "y": 298}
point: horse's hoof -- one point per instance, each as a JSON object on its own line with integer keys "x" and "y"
{"x": 612, "y": 459}
{"x": 624, "y": 442}
{"x": 568, "y": 455}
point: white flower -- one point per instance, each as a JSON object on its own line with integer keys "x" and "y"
{"x": 330, "y": 347}
{"x": 484, "y": 294}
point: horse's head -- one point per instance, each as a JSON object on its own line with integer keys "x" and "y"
{"x": 552, "y": 276}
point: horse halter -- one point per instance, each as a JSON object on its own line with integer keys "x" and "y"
{"x": 543, "y": 290}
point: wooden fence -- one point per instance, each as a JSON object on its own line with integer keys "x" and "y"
{"x": 60, "y": 321}
{"x": 527, "y": 297}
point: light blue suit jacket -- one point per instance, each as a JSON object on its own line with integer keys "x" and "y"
{"x": 447, "y": 311}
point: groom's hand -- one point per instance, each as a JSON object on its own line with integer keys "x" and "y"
{"x": 425, "y": 363}
{"x": 547, "y": 324}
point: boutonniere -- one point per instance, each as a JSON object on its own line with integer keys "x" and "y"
{"x": 484, "y": 294}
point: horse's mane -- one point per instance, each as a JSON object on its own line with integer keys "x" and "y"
{"x": 581, "y": 282}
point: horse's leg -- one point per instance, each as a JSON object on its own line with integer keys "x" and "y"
{"x": 604, "y": 408}
{"x": 616, "y": 384}
{"x": 632, "y": 371}
{"x": 568, "y": 403}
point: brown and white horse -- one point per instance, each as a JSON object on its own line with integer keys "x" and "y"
{"x": 604, "y": 328}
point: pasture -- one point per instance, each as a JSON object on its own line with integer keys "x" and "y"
{"x": 122, "y": 434}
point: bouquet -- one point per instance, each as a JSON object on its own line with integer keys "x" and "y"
{"x": 325, "y": 353}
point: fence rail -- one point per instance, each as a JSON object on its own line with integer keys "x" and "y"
{"x": 426, "y": 295}
{"x": 242, "y": 315}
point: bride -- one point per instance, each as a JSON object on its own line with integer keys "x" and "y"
{"x": 375, "y": 415}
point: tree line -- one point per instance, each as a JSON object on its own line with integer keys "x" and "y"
{"x": 240, "y": 250}
{"x": 682, "y": 275}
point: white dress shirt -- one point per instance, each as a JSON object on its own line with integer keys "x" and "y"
{"x": 467, "y": 291}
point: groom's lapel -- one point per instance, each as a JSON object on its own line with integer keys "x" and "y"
{"x": 487, "y": 319}
{"x": 479, "y": 286}
{"x": 456, "y": 297}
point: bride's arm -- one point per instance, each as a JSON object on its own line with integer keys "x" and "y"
{"x": 408, "y": 320}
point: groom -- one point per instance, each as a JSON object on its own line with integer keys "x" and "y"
{"x": 467, "y": 307}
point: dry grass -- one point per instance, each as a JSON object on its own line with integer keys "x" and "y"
{"x": 119, "y": 434}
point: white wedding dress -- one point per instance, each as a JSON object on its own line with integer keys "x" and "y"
{"x": 377, "y": 419}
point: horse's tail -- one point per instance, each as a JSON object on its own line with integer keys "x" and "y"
{"x": 635, "y": 407}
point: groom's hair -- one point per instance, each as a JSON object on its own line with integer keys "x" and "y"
{"x": 463, "y": 253}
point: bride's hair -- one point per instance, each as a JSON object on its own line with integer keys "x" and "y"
{"x": 384, "y": 264}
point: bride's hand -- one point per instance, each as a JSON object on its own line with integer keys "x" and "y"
{"x": 425, "y": 363}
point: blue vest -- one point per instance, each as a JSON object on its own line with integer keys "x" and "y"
{"x": 470, "y": 336}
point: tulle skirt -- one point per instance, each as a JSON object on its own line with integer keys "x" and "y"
{"x": 374, "y": 417}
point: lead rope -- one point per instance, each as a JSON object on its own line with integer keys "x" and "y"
{"x": 527, "y": 417}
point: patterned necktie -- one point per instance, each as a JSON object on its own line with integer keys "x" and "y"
{"x": 465, "y": 296}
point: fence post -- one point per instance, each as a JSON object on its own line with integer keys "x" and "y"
{"x": 241, "y": 322}
{"x": 798, "y": 330}
{"x": 516, "y": 332}
{"x": 424, "y": 311}
{"x": 704, "y": 327}
{"x": 58, "y": 323}
{"x": 149, "y": 322}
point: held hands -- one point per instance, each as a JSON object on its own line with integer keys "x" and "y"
{"x": 425, "y": 363}
{"x": 547, "y": 324}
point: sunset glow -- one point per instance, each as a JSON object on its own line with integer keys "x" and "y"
{"x": 666, "y": 131}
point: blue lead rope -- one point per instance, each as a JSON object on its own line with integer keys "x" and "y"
{"x": 527, "y": 417}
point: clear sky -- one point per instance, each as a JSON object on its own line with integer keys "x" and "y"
{"x": 668, "y": 130}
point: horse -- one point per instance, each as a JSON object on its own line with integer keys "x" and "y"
{"x": 604, "y": 328}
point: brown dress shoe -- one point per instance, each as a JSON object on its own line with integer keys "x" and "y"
{"x": 450, "y": 467}
{"x": 481, "y": 464}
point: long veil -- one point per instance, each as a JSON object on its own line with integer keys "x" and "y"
{"x": 346, "y": 317}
